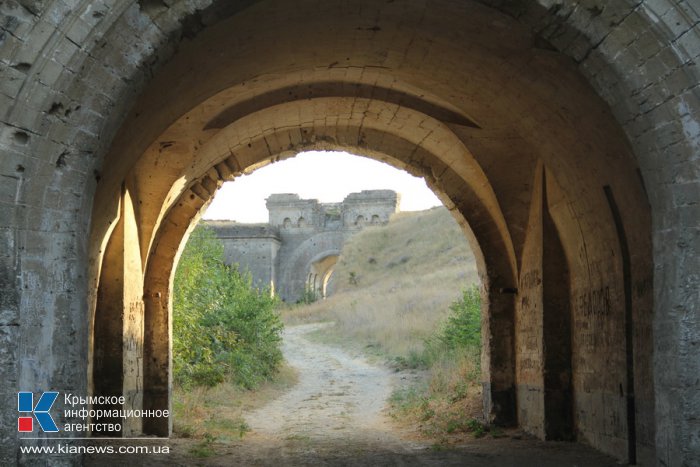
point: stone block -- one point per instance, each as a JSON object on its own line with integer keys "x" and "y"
{"x": 10, "y": 48}
{"x": 657, "y": 8}
{"x": 79, "y": 31}
{"x": 36, "y": 40}
{"x": 28, "y": 118}
{"x": 689, "y": 42}
{"x": 65, "y": 52}
{"x": 690, "y": 9}
{"x": 676, "y": 21}
{"x": 579, "y": 47}
{"x": 688, "y": 103}
{"x": 619, "y": 38}
{"x": 9, "y": 342}
{"x": 59, "y": 12}
{"x": 7, "y": 242}
{"x": 50, "y": 71}
{"x": 679, "y": 80}
{"x": 647, "y": 44}
{"x": 655, "y": 68}
{"x": 11, "y": 81}
{"x": 8, "y": 418}
{"x": 9, "y": 304}
{"x": 8, "y": 188}
{"x": 686, "y": 194}
{"x": 13, "y": 146}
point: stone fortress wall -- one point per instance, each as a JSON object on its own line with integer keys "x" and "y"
{"x": 298, "y": 248}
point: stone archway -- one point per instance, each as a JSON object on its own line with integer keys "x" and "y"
{"x": 298, "y": 269}
{"x": 322, "y": 267}
{"x": 482, "y": 98}
{"x": 486, "y": 156}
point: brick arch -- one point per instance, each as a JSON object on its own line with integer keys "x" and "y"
{"x": 185, "y": 208}
{"x": 64, "y": 103}
{"x": 434, "y": 145}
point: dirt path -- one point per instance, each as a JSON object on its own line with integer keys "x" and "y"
{"x": 335, "y": 415}
{"x": 339, "y": 397}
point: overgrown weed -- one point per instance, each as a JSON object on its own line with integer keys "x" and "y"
{"x": 215, "y": 414}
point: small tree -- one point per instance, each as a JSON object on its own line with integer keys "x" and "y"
{"x": 461, "y": 332}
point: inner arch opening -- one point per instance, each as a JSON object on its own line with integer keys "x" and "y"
{"x": 392, "y": 296}
{"x": 315, "y": 186}
{"x": 323, "y": 269}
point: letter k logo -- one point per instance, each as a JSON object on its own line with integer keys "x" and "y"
{"x": 25, "y": 403}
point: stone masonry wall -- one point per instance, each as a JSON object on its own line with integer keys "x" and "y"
{"x": 279, "y": 254}
{"x": 70, "y": 70}
{"x": 253, "y": 247}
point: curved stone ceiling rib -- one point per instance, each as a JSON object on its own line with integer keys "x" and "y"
{"x": 430, "y": 106}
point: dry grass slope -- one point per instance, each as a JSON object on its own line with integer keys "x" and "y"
{"x": 393, "y": 284}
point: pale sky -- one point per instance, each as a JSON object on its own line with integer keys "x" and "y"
{"x": 326, "y": 176}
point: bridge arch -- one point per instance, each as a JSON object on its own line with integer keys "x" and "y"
{"x": 321, "y": 266}
{"x": 296, "y": 270}
{"x": 82, "y": 122}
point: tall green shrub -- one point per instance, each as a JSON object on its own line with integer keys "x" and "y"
{"x": 463, "y": 326}
{"x": 460, "y": 334}
{"x": 223, "y": 328}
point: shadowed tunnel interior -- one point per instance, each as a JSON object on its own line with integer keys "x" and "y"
{"x": 526, "y": 183}
{"x": 531, "y": 141}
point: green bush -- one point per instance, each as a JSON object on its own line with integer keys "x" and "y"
{"x": 452, "y": 357}
{"x": 223, "y": 328}
{"x": 460, "y": 334}
{"x": 463, "y": 326}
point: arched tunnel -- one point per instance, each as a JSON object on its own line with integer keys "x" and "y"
{"x": 563, "y": 136}
{"x": 321, "y": 271}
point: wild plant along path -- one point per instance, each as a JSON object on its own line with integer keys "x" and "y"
{"x": 336, "y": 415}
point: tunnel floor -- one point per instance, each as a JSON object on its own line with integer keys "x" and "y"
{"x": 335, "y": 415}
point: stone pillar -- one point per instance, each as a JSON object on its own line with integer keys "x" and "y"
{"x": 497, "y": 353}
{"x": 118, "y": 332}
{"x": 543, "y": 326}
{"x": 556, "y": 331}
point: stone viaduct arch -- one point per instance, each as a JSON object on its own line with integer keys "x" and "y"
{"x": 292, "y": 259}
{"x": 313, "y": 250}
{"x": 322, "y": 267}
{"x": 564, "y": 138}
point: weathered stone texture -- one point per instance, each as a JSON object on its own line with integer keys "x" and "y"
{"x": 93, "y": 93}
{"x": 252, "y": 247}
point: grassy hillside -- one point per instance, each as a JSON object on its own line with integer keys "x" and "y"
{"x": 406, "y": 292}
{"x": 393, "y": 284}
